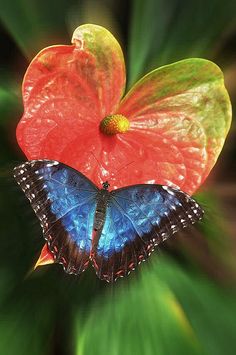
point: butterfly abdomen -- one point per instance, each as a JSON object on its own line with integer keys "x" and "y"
{"x": 100, "y": 213}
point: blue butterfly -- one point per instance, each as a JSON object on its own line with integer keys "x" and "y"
{"x": 115, "y": 230}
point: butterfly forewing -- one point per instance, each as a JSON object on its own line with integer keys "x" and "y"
{"x": 138, "y": 218}
{"x": 116, "y": 230}
{"x": 65, "y": 202}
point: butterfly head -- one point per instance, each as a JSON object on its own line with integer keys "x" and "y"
{"x": 105, "y": 185}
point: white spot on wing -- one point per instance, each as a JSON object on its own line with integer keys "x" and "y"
{"x": 166, "y": 188}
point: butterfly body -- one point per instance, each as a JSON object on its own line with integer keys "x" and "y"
{"x": 114, "y": 230}
{"x": 103, "y": 198}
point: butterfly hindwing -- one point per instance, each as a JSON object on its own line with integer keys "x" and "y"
{"x": 138, "y": 218}
{"x": 64, "y": 200}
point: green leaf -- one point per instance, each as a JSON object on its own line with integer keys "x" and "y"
{"x": 9, "y": 104}
{"x": 35, "y": 24}
{"x": 169, "y": 309}
{"x": 162, "y": 31}
{"x": 215, "y": 229}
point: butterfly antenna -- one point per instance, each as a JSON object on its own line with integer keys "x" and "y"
{"x": 96, "y": 159}
{"x": 125, "y": 166}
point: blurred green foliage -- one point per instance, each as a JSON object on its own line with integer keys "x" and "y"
{"x": 163, "y": 32}
{"x": 171, "y": 305}
{"x": 168, "y": 310}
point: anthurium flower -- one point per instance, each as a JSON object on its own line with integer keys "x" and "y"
{"x": 168, "y": 129}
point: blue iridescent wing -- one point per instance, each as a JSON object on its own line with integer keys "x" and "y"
{"x": 64, "y": 200}
{"x": 138, "y": 218}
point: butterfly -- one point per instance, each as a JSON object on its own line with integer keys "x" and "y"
{"x": 114, "y": 230}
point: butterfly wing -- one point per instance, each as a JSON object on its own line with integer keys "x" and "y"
{"x": 138, "y": 218}
{"x": 64, "y": 200}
